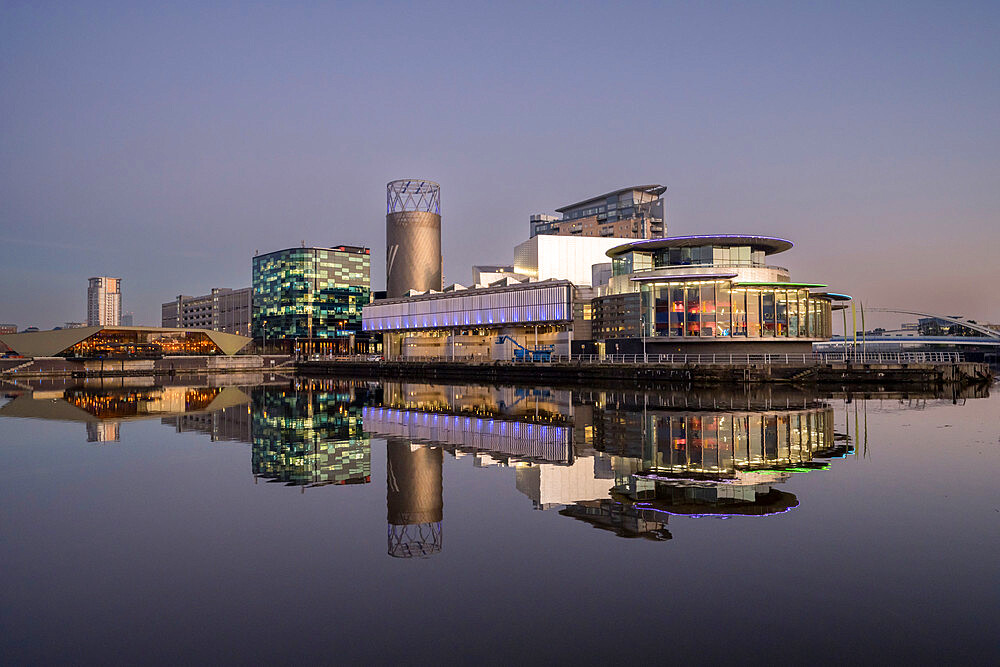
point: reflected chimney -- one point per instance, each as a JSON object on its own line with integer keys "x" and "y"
{"x": 413, "y": 499}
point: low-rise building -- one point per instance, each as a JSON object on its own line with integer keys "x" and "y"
{"x": 482, "y": 323}
{"x": 123, "y": 342}
{"x": 223, "y": 309}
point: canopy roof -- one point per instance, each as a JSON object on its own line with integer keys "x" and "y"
{"x": 769, "y": 244}
{"x": 51, "y": 343}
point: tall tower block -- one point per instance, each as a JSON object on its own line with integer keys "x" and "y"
{"x": 412, "y": 236}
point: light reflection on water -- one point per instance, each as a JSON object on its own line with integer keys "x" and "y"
{"x": 628, "y": 463}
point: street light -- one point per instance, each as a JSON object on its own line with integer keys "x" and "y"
{"x": 642, "y": 334}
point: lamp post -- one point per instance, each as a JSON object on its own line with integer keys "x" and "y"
{"x": 642, "y": 332}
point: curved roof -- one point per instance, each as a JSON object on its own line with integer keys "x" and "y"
{"x": 769, "y": 244}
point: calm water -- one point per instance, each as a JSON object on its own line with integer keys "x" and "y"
{"x": 288, "y": 520}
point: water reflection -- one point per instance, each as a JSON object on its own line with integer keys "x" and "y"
{"x": 413, "y": 498}
{"x": 103, "y": 408}
{"x": 310, "y": 438}
{"x": 621, "y": 461}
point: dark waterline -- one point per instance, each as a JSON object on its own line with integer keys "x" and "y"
{"x": 351, "y": 520}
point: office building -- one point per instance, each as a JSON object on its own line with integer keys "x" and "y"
{"x": 8, "y": 328}
{"x": 128, "y": 319}
{"x": 223, "y": 309}
{"x": 309, "y": 300}
{"x": 104, "y": 302}
{"x": 706, "y": 294}
{"x": 635, "y": 212}
{"x": 413, "y": 236}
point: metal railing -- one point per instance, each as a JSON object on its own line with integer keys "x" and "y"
{"x": 766, "y": 359}
{"x": 801, "y": 359}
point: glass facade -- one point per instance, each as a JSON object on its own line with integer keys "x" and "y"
{"x": 313, "y": 294}
{"x": 137, "y": 344}
{"x": 474, "y": 308}
{"x": 722, "y": 309}
{"x": 724, "y": 444}
{"x": 305, "y": 438}
{"x": 729, "y": 256}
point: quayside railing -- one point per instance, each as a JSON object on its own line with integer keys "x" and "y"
{"x": 801, "y": 359}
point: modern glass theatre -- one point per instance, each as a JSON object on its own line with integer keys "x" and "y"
{"x": 689, "y": 289}
{"x": 311, "y": 298}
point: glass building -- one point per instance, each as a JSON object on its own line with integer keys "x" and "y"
{"x": 692, "y": 289}
{"x": 309, "y": 300}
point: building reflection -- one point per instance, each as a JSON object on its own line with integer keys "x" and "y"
{"x": 624, "y": 462}
{"x": 413, "y": 498}
{"x": 310, "y": 435}
{"x": 103, "y": 408}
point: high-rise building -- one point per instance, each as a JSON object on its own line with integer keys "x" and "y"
{"x": 128, "y": 319}
{"x": 223, "y": 309}
{"x": 312, "y": 296}
{"x": 413, "y": 237}
{"x": 635, "y": 212}
{"x": 104, "y": 302}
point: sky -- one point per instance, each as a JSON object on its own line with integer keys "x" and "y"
{"x": 166, "y": 143}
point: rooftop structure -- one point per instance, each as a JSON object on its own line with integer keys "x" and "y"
{"x": 562, "y": 257}
{"x": 634, "y": 212}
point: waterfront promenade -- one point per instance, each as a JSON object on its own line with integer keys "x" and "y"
{"x": 917, "y": 369}
{"x": 922, "y": 369}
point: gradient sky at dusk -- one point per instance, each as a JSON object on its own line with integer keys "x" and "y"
{"x": 165, "y": 144}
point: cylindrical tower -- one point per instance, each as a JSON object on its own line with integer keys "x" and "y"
{"x": 413, "y": 498}
{"x": 412, "y": 236}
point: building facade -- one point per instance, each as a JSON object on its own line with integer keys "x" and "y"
{"x": 104, "y": 302}
{"x": 482, "y": 323}
{"x": 223, "y": 309}
{"x": 709, "y": 294}
{"x": 570, "y": 258}
{"x": 310, "y": 299}
{"x": 635, "y": 212}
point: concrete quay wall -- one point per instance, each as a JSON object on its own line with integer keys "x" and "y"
{"x": 43, "y": 367}
{"x": 929, "y": 375}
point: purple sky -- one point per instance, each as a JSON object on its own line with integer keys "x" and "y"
{"x": 166, "y": 144}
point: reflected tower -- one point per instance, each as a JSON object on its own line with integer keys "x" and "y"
{"x": 413, "y": 498}
{"x": 412, "y": 236}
